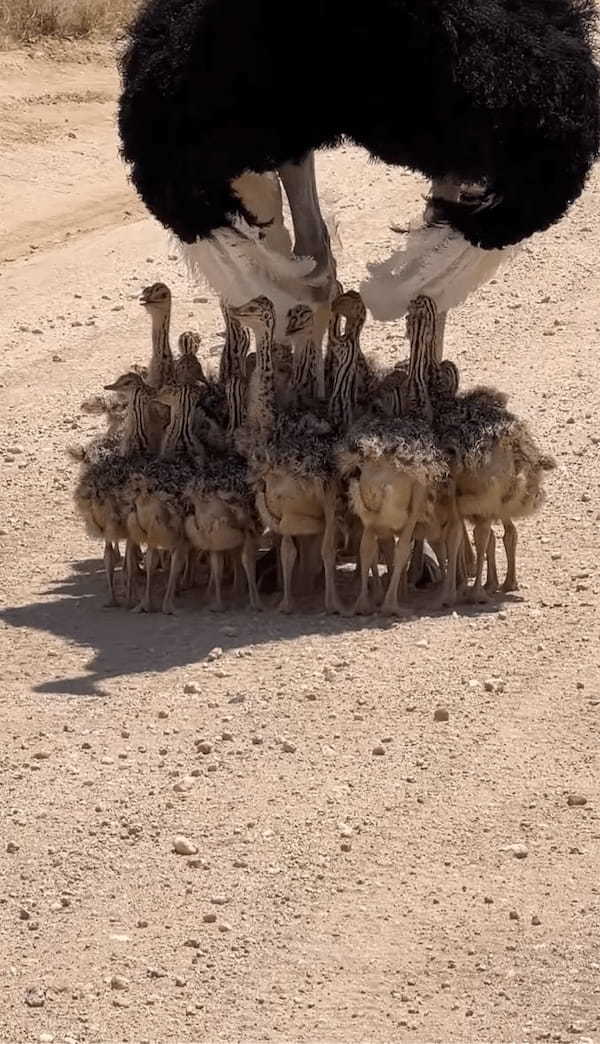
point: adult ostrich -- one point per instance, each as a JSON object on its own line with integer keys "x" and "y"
{"x": 500, "y": 95}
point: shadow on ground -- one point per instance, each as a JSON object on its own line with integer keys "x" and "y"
{"x": 128, "y": 644}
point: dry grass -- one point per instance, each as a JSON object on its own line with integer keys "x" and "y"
{"x": 23, "y": 21}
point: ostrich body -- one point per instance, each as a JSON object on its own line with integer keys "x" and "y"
{"x": 496, "y": 96}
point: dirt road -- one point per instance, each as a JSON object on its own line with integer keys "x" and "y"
{"x": 446, "y": 891}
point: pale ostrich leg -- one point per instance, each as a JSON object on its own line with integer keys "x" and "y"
{"x": 311, "y": 234}
{"x": 422, "y": 565}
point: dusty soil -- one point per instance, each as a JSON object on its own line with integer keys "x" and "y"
{"x": 355, "y": 897}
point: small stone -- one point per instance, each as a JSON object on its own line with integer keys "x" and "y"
{"x": 193, "y": 943}
{"x": 239, "y": 698}
{"x": 183, "y": 846}
{"x": 513, "y": 915}
{"x": 219, "y": 900}
{"x": 163, "y": 714}
{"x": 119, "y": 982}
{"x": 240, "y": 864}
{"x": 191, "y": 689}
{"x": 198, "y": 864}
{"x": 345, "y": 830}
{"x": 35, "y": 998}
{"x": 224, "y": 926}
{"x": 441, "y": 714}
{"x": 46, "y": 1038}
{"x": 180, "y": 982}
{"x": 41, "y": 755}
{"x": 204, "y": 747}
{"x": 288, "y": 748}
{"x": 379, "y": 750}
{"x": 209, "y": 918}
{"x": 535, "y": 920}
{"x": 227, "y": 736}
{"x": 346, "y": 846}
{"x": 57, "y": 358}
{"x": 185, "y": 784}
{"x": 11, "y": 848}
{"x": 423, "y": 643}
{"x": 519, "y": 851}
{"x": 576, "y": 800}
{"x": 215, "y": 654}
{"x": 120, "y": 1002}
{"x": 24, "y": 915}
{"x": 142, "y": 924}
{"x": 489, "y": 685}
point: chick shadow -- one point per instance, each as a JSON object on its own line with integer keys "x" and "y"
{"x": 126, "y": 643}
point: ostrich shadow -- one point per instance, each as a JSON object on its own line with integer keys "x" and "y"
{"x": 126, "y": 644}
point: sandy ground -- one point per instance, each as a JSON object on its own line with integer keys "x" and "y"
{"x": 352, "y": 897}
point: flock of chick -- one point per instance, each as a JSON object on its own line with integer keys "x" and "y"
{"x": 299, "y": 461}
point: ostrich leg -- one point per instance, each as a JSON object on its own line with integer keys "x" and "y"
{"x": 423, "y": 569}
{"x": 311, "y": 238}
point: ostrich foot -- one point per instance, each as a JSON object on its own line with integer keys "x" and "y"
{"x": 286, "y": 606}
{"x": 142, "y": 607}
{"x": 477, "y": 595}
{"x": 510, "y": 584}
{"x": 363, "y": 606}
{"x": 446, "y": 599}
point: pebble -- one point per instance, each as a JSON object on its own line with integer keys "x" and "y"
{"x": 346, "y": 846}
{"x": 41, "y": 755}
{"x": 535, "y": 920}
{"x": 46, "y": 1038}
{"x": 240, "y": 864}
{"x": 288, "y": 748}
{"x": 219, "y": 900}
{"x": 224, "y": 926}
{"x": 209, "y": 918}
{"x": 191, "y": 689}
{"x": 441, "y": 714}
{"x": 198, "y": 864}
{"x": 519, "y": 851}
{"x": 34, "y": 998}
{"x": 345, "y": 830}
{"x": 575, "y": 800}
{"x": 11, "y": 848}
{"x": 204, "y": 747}
{"x": 119, "y": 982}
{"x": 513, "y": 915}
{"x": 163, "y": 714}
{"x": 215, "y": 654}
{"x": 423, "y": 643}
{"x": 120, "y": 1002}
{"x": 227, "y": 736}
{"x": 379, "y": 750}
{"x": 185, "y": 783}
{"x": 183, "y": 846}
{"x": 24, "y": 915}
